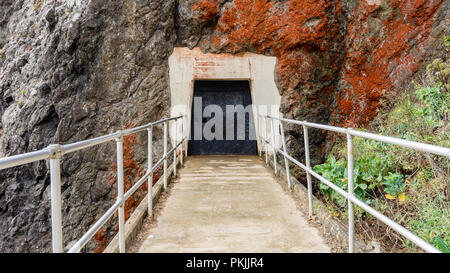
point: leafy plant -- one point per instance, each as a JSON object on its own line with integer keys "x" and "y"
{"x": 1, "y": 55}
{"x": 437, "y": 103}
{"x": 440, "y": 244}
{"x": 335, "y": 172}
{"x": 369, "y": 170}
{"x": 439, "y": 72}
{"x": 447, "y": 40}
{"x": 432, "y": 223}
{"x": 394, "y": 184}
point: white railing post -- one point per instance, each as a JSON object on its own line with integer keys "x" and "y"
{"x": 286, "y": 162}
{"x": 265, "y": 140}
{"x": 273, "y": 146}
{"x": 186, "y": 141}
{"x": 55, "y": 192}
{"x": 150, "y": 170}
{"x": 165, "y": 155}
{"x": 351, "y": 223}
{"x": 120, "y": 193}
{"x": 258, "y": 120}
{"x": 175, "y": 148}
{"x": 182, "y": 142}
{"x": 308, "y": 166}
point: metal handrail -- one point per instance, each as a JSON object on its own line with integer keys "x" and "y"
{"x": 55, "y": 152}
{"x": 424, "y": 147}
{"x": 438, "y": 150}
{"x": 17, "y": 160}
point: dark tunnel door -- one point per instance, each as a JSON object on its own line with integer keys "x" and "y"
{"x": 223, "y": 93}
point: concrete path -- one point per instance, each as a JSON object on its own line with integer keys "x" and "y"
{"x": 230, "y": 204}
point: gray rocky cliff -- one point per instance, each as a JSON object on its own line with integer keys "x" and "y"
{"x": 73, "y": 70}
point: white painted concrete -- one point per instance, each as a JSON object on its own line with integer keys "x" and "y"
{"x": 187, "y": 65}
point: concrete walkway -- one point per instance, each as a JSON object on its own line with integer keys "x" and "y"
{"x": 230, "y": 204}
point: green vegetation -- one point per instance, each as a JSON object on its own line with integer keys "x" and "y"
{"x": 22, "y": 97}
{"x": 447, "y": 39}
{"x": 1, "y": 53}
{"x": 410, "y": 187}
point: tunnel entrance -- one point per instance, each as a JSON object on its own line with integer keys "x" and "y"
{"x": 222, "y": 119}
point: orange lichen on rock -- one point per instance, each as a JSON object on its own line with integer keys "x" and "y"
{"x": 132, "y": 172}
{"x": 386, "y": 42}
{"x": 272, "y": 26}
{"x": 381, "y": 45}
{"x": 302, "y": 35}
{"x": 207, "y": 9}
{"x": 101, "y": 239}
{"x": 295, "y": 68}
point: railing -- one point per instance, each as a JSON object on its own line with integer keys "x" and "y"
{"x": 351, "y": 199}
{"x": 55, "y": 152}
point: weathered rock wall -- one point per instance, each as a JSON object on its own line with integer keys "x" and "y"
{"x": 336, "y": 59}
{"x": 72, "y": 70}
{"x": 385, "y": 44}
{"x": 306, "y": 37}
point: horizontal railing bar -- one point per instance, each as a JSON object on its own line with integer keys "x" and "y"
{"x": 145, "y": 127}
{"x": 309, "y": 124}
{"x": 395, "y": 226}
{"x": 70, "y": 148}
{"x": 158, "y": 163}
{"x": 325, "y": 127}
{"x": 137, "y": 129}
{"x": 155, "y": 166}
{"x": 429, "y": 148}
{"x": 181, "y": 142}
{"x": 284, "y": 154}
{"x": 170, "y": 151}
{"x": 173, "y": 149}
{"x": 92, "y": 142}
{"x": 136, "y": 186}
{"x": 144, "y": 178}
{"x": 16, "y": 160}
{"x": 167, "y": 119}
{"x": 403, "y": 231}
{"x": 95, "y": 228}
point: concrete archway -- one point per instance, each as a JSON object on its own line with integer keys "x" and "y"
{"x": 187, "y": 66}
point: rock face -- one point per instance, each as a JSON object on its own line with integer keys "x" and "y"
{"x": 336, "y": 59}
{"x": 71, "y": 70}
{"x": 385, "y": 44}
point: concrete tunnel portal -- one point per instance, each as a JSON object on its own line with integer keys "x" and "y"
{"x": 223, "y": 79}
